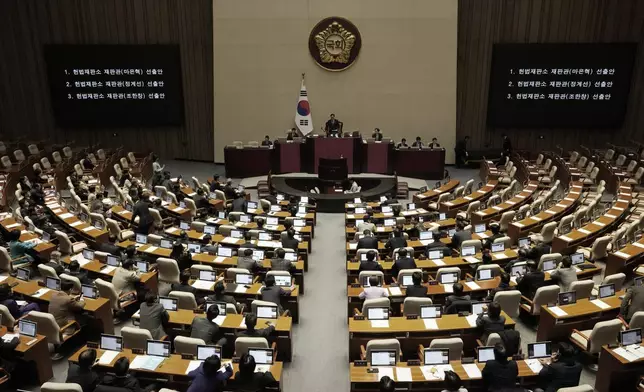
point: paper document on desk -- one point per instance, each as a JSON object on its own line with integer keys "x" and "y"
{"x": 40, "y": 292}
{"x": 558, "y": 311}
{"x": 471, "y": 319}
{"x": 482, "y": 235}
{"x": 177, "y": 209}
{"x": 560, "y": 205}
{"x": 430, "y": 323}
{"x": 146, "y": 362}
{"x": 74, "y": 224}
{"x": 510, "y": 202}
{"x": 449, "y": 288}
{"x": 262, "y": 368}
{"x": 192, "y": 365}
{"x": 600, "y": 304}
{"x": 627, "y": 355}
{"x": 395, "y": 291}
{"x": 219, "y": 320}
{"x": 151, "y": 249}
{"x": 388, "y": 214}
{"x": 622, "y": 255}
{"x": 435, "y": 372}
{"x": 467, "y": 198}
{"x": 473, "y": 285}
{"x": 407, "y": 213}
{"x": 379, "y": 323}
{"x": 353, "y": 245}
{"x": 229, "y": 240}
{"x": 269, "y": 244}
{"x": 497, "y": 208}
{"x": 565, "y": 238}
{"x": 9, "y": 337}
{"x": 584, "y": 231}
{"x": 350, "y": 216}
{"x": 534, "y": 365}
{"x": 66, "y": 215}
{"x": 472, "y": 259}
{"x": 21, "y": 302}
{"x": 240, "y": 289}
{"x": 517, "y": 224}
{"x": 536, "y": 218}
{"x": 3, "y": 278}
{"x": 239, "y": 224}
{"x": 636, "y": 350}
{"x": 202, "y": 284}
{"x": 550, "y": 212}
{"x": 107, "y": 269}
{"x": 426, "y": 242}
{"x": 300, "y": 215}
{"x": 219, "y": 259}
{"x": 385, "y": 371}
{"x": 438, "y": 262}
{"x": 600, "y": 224}
{"x": 123, "y": 212}
{"x": 638, "y": 244}
{"x": 11, "y": 226}
{"x": 498, "y": 256}
{"x": 107, "y": 357}
{"x": 89, "y": 228}
{"x": 403, "y": 374}
{"x": 472, "y": 370}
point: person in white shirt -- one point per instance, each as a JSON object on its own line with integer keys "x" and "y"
{"x": 366, "y": 225}
{"x": 373, "y": 291}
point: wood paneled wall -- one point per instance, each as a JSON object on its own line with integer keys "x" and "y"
{"x": 25, "y": 103}
{"x": 482, "y": 23}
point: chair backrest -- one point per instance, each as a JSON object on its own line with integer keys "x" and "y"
{"x": 475, "y": 243}
{"x": 47, "y": 271}
{"x": 448, "y": 270}
{"x": 131, "y": 157}
{"x": 6, "y": 162}
{"x": 242, "y": 344}
{"x": 412, "y": 305}
{"x": 455, "y": 346}
{"x": 366, "y": 274}
{"x": 60, "y": 387}
{"x": 544, "y": 296}
{"x": 610, "y": 153}
{"x": 225, "y": 230}
{"x": 539, "y": 159}
{"x": 637, "y": 321}
{"x": 7, "y": 319}
{"x": 185, "y": 300}
{"x": 359, "y": 253}
{"x": 583, "y": 288}
{"x": 374, "y": 303}
{"x": 493, "y": 339}
{"x": 510, "y": 300}
{"x": 98, "y": 217}
{"x": 154, "y": 239}
{"x": 190, "y": 204}
{"x": 68, "y": 152}
{"x": 64, "y": 244}
{"x": 73, "y": 280}
{"x": 468, "y": 186}
{"x": 547, "y": 257}
{"x": 156, "y": 217}
{"x": 621, "y": 159}
{"x": 186, "y": 345}
{"x": 160, "y": 191}
{"x": 507, "y": 241}
{"x": 494, "y": 268}
{"x": 231, "y": 273}
{"x": 548, "y": 231}
{"x": 135, "y": 337}
{"x": 383, "y": 344}
{"x": 168, "y": 270}
{"x": 20, "y": 156}
{"x": 57, "y": 157}
{"x": 599, "y": 250}
{"x": 616, "y": 279}
{"x": 407, "y": 272}
{"x": 197, "y": 226}
{"x": 458, "y": 192}
{"x": 173, "y": 197}
{"x": 258, "y": 302}
{"x": 107, "y": 290}
{"x": 101, "y": 154}
{"x": 472, "y": 207}
{"x": 506, "y": 219}
{"x": 113, "y": 227}
{"x": 124, "y": 163}
{"x": 47, "y": 326}
{"x": 604, "y": 333}
{"x": 579, "y": 388}
{"x": 195, "y": 268}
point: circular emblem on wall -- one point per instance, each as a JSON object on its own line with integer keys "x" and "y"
{"x": 335, "y": 43}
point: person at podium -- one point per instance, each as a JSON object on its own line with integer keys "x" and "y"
{"x": 403, "y": 144}
{"x": 332, "y": 127}
{"x": 418, "y": 143}
{"x": 377, "y": 136}
{"x": 434, "y": 143}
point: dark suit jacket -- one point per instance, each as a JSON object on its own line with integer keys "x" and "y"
{"x": 142, "y": 210}
{"x": 459, "y": 237}
{"x": 634, "y": 295}
{"x": 489, "y": 325}
{"x": 560, "y": 375}
{"x": 112, "y": 383}
{"x": 369, "y": 266}
{"x": 86, "y": 379}
{"x": 229, "y": 191}
{"x": 248, "y": 263}
{"x": 502, "y": 287}
{"x": 290, "y": 243}
{"x": 458, "y": 305}
{"x": 367, "y": 243}
{"x": 332, "y": 125}
{"x": 239, "y": 204}
{"x": 490, "y": 240}
{"x": 256, "y": 383}
{"x": 273, "y": 294}
{"x": 396, "y": 242}
{"x": 257, "y": 333}
{"x": 416, "y": 291}
{"x": 200, "y": 201}
{"x": 401, "y": 264}
{"x": 202, "y": 328}
{"x": 377, "y": 136}
{"x": 57, "y": 267}
{"x": 281, "y": 265}
{"x": 530, "y": 282}
{"x": 498, "y": 376}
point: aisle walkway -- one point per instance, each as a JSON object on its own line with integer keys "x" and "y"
{"x": 320, "y": 340}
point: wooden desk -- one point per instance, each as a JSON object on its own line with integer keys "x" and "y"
{"x": 171, "y": 209}
{"x": 533, "y": 224}
{"x": 81, "y": 229}
{"x": 514, "y": 203}
{"x": 585, "y": 235}
{"x": 362, "y": 381}
{"x": 232, "y": 324}
{"x": 451, "y": 208}
{"x": 99, "y": 308}
{"x": 616, "y": 373}
{"x": 214, "y": 203}
{"x": 374, "y": 205}
{"x": 423, "y": 199}
{"x": 411, "y": 333}
{"x": 305, "y": 231}
{"x": 37, "y": 352}
{"x": 581, "y": 315}
{"x": 149, "y": 280}
{"x": 626, "y": 258}
{"x": 43, "y": 248}
{"x": 173, "y": 367}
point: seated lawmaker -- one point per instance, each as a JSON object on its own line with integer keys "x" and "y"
{"x": 366, "y": 224}
{"x": 504, "y": 285}
{"x": 418, "y": 143}
{"x": 500, "y": 374}
{"x": 437, "y": 244}
{"x": 496, "y": 233}
{"x": 153, "y": 316}
{"x": 530, "y": 282}
{"x": 402, "y": 144}
{"x": 206, "y": 329}
{"x": 396, "y": 241}
{"x": 373, "y": 290}
{"x": 490, "y": 320}
{"x": 248, "y": 380}
{"x": 274, "y": 294}
{"x": 564, "y": 275}
{"x": 200, "y": 200}
{"x": 377, "y": 135}
{"x": 560, "y": 371}
{"x": 250, "y": 331}
{"x": 290, "y": 242}
{"x": 267, "y": 141}
{"x": 371, "y": 264}
{"x": 184, "y": 286}
{"x": 368, "y": 241}
{"x": 83, "y": 373}
{"x": 457, "y": 301}
{"x": 404, "y": 262}
{"x": 460, "y": 235}
{"x": 417, "y": 289}
{"x": 434, "y": 143}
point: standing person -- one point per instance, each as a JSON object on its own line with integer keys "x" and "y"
{"x": 247, "y": 380}
{"x": 460, "y": 152}
{"x": 142, "y": 211}
{"x": 207, "y": 377}
{"x": 377, "y": 136}
{"x": 633, "y": 302}
{"x": 157, "y": 171}
{"x": 500, "y": 374}
{"x": 418, "y": 143}
{"x": 332, "y": 126}
{"x": 153, "y": 316}
{"x": 434, "y": 143}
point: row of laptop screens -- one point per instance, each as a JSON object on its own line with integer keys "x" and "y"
{"x": 158, "y": 348}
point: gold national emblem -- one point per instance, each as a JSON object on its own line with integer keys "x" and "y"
{"x": 335, "y": 43}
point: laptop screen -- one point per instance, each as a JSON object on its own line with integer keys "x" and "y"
{"x": 194, "y": 248}
{"x": 89, "y": 291}
{"x": 262, "y": 356}
{"x": 184, "y": 225}
{"x": 606, "y": 290}
{"x": 167, "y": 244}
{"x": 450, "y": 277}
{"x": 518, "y": 270}
{"x": 142, "y": 266}
{"x": 451, "y": 232}
{"x": 304, "y": 199}
{"x": 442, "y": 216}
{"x": 244, "y": 218}
{"x": 480, "y": 228}
{"x": 426, "y": 235}
{"x": 52, "y": 283}
{"x": 407, "y": 280}
{"x": 158, "y": 348}
{"x": 276, "y": 208}
{"x": 386, "y": 209}
{"x": 567, "y": 298}
{"x": 525, "y": 241}
{"x": 477, "y": 307}
{"x": 435, "y": 254}
{"x": 577, "y": 258}
{"x": 168, "y": 303}
{"x": 383, "y": 358}
{"x": 299, "y": 222}
{"x": 88, "y": 254}
{"x": 141, "y": 239}
{"x": 210, "y": 230}
{"x": 205, "y": 352}
{"x": 252, "y": 205}
{"x": 390, "y": 222}
{"x": 210, "y": 276}
{"x": 290, "y": 256}
{"x": 283, "y": 280}
{"x": 539, "y": 350}
{"x": 22, "y": 274}
{"x": 221, "y": 215}
{"x": 236, "y": 234}
{"x": 46, "y": 236}
{"x": 111, "y": 342}
{"x": 267, "y": 312}
{"x": 498, "y": 247}
{"x": 265, "y": 237}
{"x": 243, "y": 278}
{"x": 378, "y": 313}
{"x": 27, "y": 328}
{"x": 272, "y": 221}
{"x": 112, "y": 260}
{"x": 411, "y": 206}
{"x": 258, "y": 255}
{"x": 357, "y": 200}
{"x": 430, "y": 311}
{"x": 630, "y": 336}
{"x": 638, "y": 281}
{"x": 436, "y": 356}
{"x": 485, "y": 354}
{"x": 484, "y": 274}
{"x": 549, "y": 265}
{"x": 468, "y": 251}
{"x": 224, "y": 252}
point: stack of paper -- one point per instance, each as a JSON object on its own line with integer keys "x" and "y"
{"x": 146, "y": 362}
{"x": 435, "y": 372}
{"x": 66, "y": 215}
{"x": 74, "y": 224}
{"x": 403, "y": 374}
{"x": 600, "y": 304}
{"x": 107, "y": 357}
{"x": 192, "y": 365}
{"x": 151, "y": 248}
{"x": 385, "y": 371}
{"x": 534, "y": 365}
{"x": 584, "y": 231}
{"x": 473, "y": 285}
{"x": 472, "y": 259}
{"x": 438, "y": 262}
{"x": 107, "y": 269}
{"x": 449, "y": 288}
{"x": 40, "y": 292}
{"x": 89, "y": 228}
{"x": 9, "y": 337}
{"x": 379, "y": 323}
{"x": 638, "y": 244}
{"x": 482, "y": 235}
{"x": 219, "y": 320}
{"x": 202, "y": 284}
{"x": 395, "y": 291}
{"x": 229, "y": 240}
{"x": 622, "y": 255}
{"x": 353, "y": 245}
{"x": 240, "y": 289}
{"x": 558, "y": 311}
{"x": 220, "y": 259}
{"x": 472, "y": 370}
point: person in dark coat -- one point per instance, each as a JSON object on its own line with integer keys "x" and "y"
{"x": 247, "y": 380}
{"x": 500, "y": 374}
{"x": 83, "y": 373}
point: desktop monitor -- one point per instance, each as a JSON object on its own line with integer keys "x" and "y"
{"x": 290, "y": 256}
{"x": 525, "y": 241}
{"x": 224, "y": 252}
{"x": 539, "y": 350}
{"x": 111, "y": 342}
{"x": 272, "y": 221}
{"x": 208, "y": 275}
{"x": 480, "y": 228}
{"x": 267, "y": 312}
{"x": 243, "y": 279}
{"x": 212, "y": 230}
{"x": 484, "y": 274}
{"x": 265, "y": 236}
{"x": 112, "y": 260}
{"x": 549, "y": 265}
{"x": 389, "y": 222}
{"x": 577, "y": 258}
{"x": 262, "y": 356}
{"x": 407, "y": 280}
{"x": 141, "y": 239}
{"x": 567, "y": 298}
{"x": 498, "y": 247}
{"x": 411, "y": 206}
{"x": 434, "y": 356}
{"x": 426, "y": 235}
{"x": 167, "y": 244}
{"x": 88, "y": 254}
{"x": 435, "y": 254}
{"x": 236, "y": 234}
{"x": 485, "y": 354}
{"x": 607, "y": 290}
{"x": 430, "y": 311}
{"x": 252, "y": 205}
{"x": 244, "y": 218}
{"x": 468, "y": 251}
{"x": 477, "y": 306}
{"x": 449, "y": 278}
{"x": 283, "y": 280}
{"x": 386, "y": 209}
{"x": 169, "y": 303}
{"x": 204, "y": 352}
{"x": 383, "y": 358}
{"x": 89, "y": 291}
{"x": 23, "y": 274}
{"x": 378, "y": 313}
{"x": 258, "y": 255}
{"x": 194, "y": 248}
{"x": 183, "y": 225}
{"x": 27, "y": 328}
{"x": 52, "y": 283}
{"x": 630, "y": 336}
{"x": 158, "y": 348}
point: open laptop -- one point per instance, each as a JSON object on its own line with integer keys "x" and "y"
{"x": 220, "y": 305}
{"x": 378, "y": 313}
{"x": 167, "y": 244}
{"x": 519, "y": 270}
{"x": 88, "y": 254}
{"x": 426, "y": 235}
{"x": 276, "y": 208}
{"x": 267, "y": 312}
{"x": 252, "y": 205}
{"x": 383, "y": 199}
{"x": 283, "y": 280}
{"x": 435, "y": 356}
{"x": 221, "y": 215}
{"x": 23, "y": 274}
{"x": 46, "y": 236}
{"x": 236, "y": 234}
{"x": 411, "y": 206}
{"x": 204, "y": 352}
{"x": 194, "y": 248}
{"x": 477, "y": 306}
{"x": 262, "y": 356}
{"x": 258, "y": 255}
{"x": 210, "y": 230}
{"x": 383, "y": 358}
{"x": 169, "y": 303}
{"x": 183, "y": 225}
{"x": 290, "y": 256}
{"x": 549, "y": 265}
{"x": 386, "y": 209}
{"x": 442, "y": 216}
{"x": 435, "y": 254}
{"x": 430, "y": 311}
{"x": 224, "y": 252}
{"x": 451, "y": 232}
{"x": 52, "y": 283}
{"x": 210, "y": 276}
{"x": 244, "y": 218}
{"x": 577, "y": 258}
{"x": 265, "y": 236}
{"x": 484, "y": 274}
{"x": 112, "y": 260}
{"x": 89, "y": 291}
{"x": 480, "y": 228}
{"x": 244, "y": 279}
{"x": 607, "y": 290}
{"x": 272, "y": 221}
{"x": 567, "y": 298}
{"x": 158, "y": 348}
{"x": 539, "y": 350}
{"x": 525, "y": 241}
{"x": 449, "y": 278}
{"x": 27, "y": 328}
{"x": 485, "y": 354}
{"x": 630, "y": 336}
{"x": 389, "y": 222}
{"x": 407, "y": 281}
{"x": 111, "y": 342}
{"x": 299, "y": 222}
{"x": 468, "y": 251}
{"x": 498, "y": 247}
{"x": 141, "y": 239}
